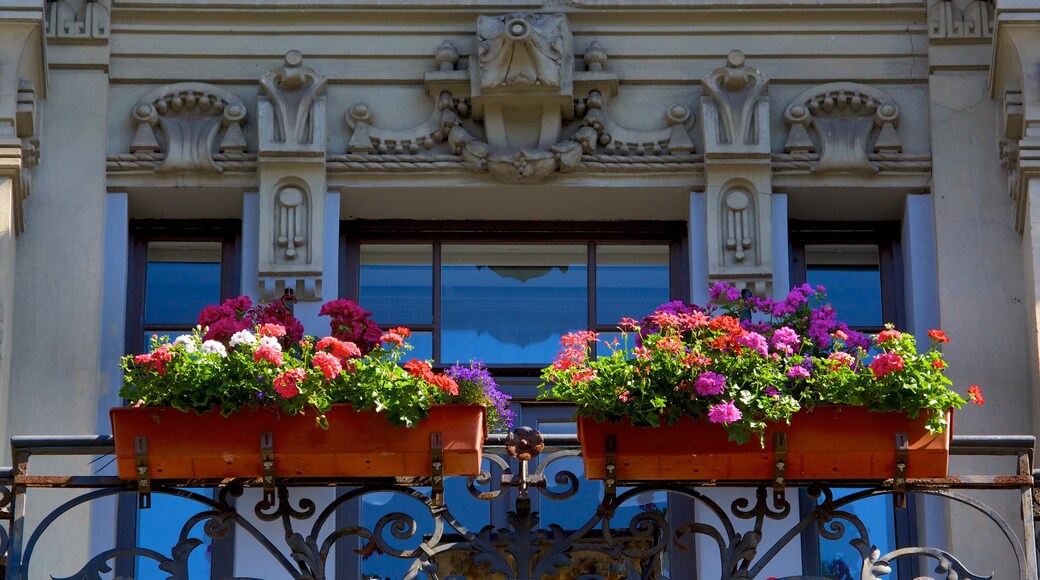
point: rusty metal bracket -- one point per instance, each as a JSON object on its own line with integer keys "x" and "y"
{"x": 779, "y": 470}
{"x": 267, "y": 465}
{"x": 144, "y": 473}
{"x": 899, "y": 482}
{"x": 437, "y": 468}
{"x": 610, "y": 479}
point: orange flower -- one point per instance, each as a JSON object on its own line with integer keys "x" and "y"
{"x": 938, "y": 336}
{"x": 975, "y": 395}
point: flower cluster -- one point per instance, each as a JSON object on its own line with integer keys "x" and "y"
{"x": 258, "y": 356}
{"x": 746, "y": 361}
{"x": 351, "y": 323}
{"x": 234, "y": 315}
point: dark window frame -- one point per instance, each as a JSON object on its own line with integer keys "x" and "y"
{"x": 437, "y": 232}
{"x": 228, "y": 232}
{"x": 886, "y": 235}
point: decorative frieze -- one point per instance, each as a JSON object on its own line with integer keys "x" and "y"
{"x": 188, "y": 123}
{"x": 523, "y": 51}
{"x": 843, "y": 122}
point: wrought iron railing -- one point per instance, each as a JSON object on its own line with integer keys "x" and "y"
{"x": 607, "y": 542}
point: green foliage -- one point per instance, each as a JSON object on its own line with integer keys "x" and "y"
{"x": 260, "y": 368}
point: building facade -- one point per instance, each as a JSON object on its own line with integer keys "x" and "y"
{"x": 492, "y": 174}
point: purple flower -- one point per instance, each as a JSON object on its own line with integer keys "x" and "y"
{"x": 477, "y": 384}
{"x": 725, "y": 413}
{"x": 709, "y": 383}
{"x": 785, "y": 339}
{"x": 798, "y": 373}
{"x": 772, "y": 392}
{"x": 755, "y": 342}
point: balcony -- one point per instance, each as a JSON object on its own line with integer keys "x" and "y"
{"x": 543, "y": 520}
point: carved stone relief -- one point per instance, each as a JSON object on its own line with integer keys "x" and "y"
{"x": 739, "y": 225}
{"x": 735, "y": 109}
{"x": 522, "y": 50}
{"x": 292, "y": 107}
{"x": 291, "y": 164}
{"x": 960, "y": 19}
{"x": 184, "y": 121}
{"x": 842, "y": 122}
{"x": 90, "y": 21}
{"x": 539, "y": 116}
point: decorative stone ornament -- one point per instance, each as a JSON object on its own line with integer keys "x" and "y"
{"x": 842, "y": 122}
{"x": 947, "y": 19}
{"x": 291, "y": 164}
{"x": 65, "y": 23}
{"x": 738, "y": 175}
{"x": 735, "y": 109}
{"x": 292, "y": 108}
{"x": 523, "y": 50}
{"x": 539, "y": 115}
{"x": 183, "y": 121}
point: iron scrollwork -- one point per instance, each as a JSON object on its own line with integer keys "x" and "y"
{"x": 621, "y": 537}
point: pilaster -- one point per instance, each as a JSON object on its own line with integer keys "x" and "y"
{"x": 22, "y": 83}
{"x": 291, "y": 166}
{"x": 738, "y": 175}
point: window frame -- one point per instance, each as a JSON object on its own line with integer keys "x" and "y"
{"x": 225, "y": 231}
{"x": 886, "y": 235}
{"x": 228, "y": 232}
{"x": 438, "y": 232}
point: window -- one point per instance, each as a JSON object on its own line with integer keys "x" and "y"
{"x": 505, "y": 293}
{"x": 176, "y": 268}
{"x": 859, "y": 264}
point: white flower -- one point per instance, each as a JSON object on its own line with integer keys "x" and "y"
{"x": 242, "y": 337}
{"x": 188, "y": 342}
{"x": 212, "y": 346}
{"x": 271, "y": 342}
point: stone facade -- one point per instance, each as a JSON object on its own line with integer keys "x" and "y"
{"x": 733, "y": 116}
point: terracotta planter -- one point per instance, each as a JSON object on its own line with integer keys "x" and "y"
{"x": 357, "y": 444}
{"x": 830, "y": 443}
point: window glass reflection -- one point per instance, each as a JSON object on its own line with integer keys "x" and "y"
{"x": 511, "y": 303}
{"x": 159, "y": 529}
{"x": 396, "y": 283}
{"x": 631, "y": 280}
{"x": 852, "y": 275}
{"x": 838, "y": 559}
{"x": 181, "y": 278}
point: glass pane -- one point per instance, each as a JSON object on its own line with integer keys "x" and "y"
{"x": 397, "y": 282}
{"x": 159, "y": 529}
{"x": 511, "y": 303}
{"x": 852, "y": 275}
{"x": 180, "y": 279}
{"x": 630, "y": 281}
{"x": 422, "y": 346}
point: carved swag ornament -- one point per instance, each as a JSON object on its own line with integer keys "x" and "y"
{"x": 523, "y": 63}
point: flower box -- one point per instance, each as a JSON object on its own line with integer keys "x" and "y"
{"x": 829, "y": 443}
{"x": 186, "y": 445}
